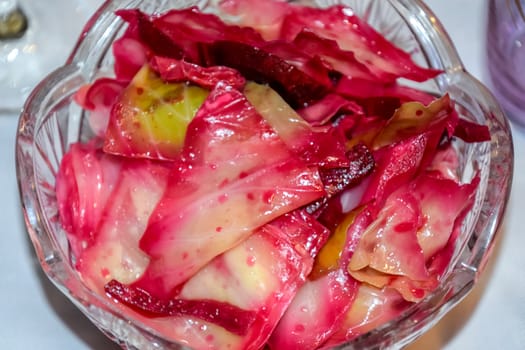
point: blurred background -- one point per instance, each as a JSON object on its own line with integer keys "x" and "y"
{"x": 33, "y": 315}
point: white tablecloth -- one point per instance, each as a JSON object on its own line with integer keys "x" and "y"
{"x": 33, "y": 315}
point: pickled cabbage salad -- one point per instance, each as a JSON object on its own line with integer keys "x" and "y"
{"x": 264, "y": 180}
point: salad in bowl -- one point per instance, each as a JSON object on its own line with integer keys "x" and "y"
{"x": 238, "y": 174}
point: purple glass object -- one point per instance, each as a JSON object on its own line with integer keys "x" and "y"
{"x": 506, "y": 56}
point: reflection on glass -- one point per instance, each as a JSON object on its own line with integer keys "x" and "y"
{"x": 35, "y": 38}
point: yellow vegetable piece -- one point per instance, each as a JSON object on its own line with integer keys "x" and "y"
{"x": 328, "y": 258}
{"x": 153, "y": 115}
{"x": 412, "y": 118}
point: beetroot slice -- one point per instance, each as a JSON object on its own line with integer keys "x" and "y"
{"x": 295, "y": 86}
{"x": 361, "y": 164}
{"x": 226, "y": 315}
{"x": 189, "y": 29}
{"x": 337, "y": 180}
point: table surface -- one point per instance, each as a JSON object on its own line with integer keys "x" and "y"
{"x": 33, "y": 315}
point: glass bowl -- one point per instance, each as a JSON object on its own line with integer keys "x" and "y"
{"x": 51, "y": 121}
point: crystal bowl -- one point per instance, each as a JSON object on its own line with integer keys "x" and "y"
{"x": 51, "y": 121}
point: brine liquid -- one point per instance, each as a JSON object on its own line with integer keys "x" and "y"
{"x": 506, "y": 57}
